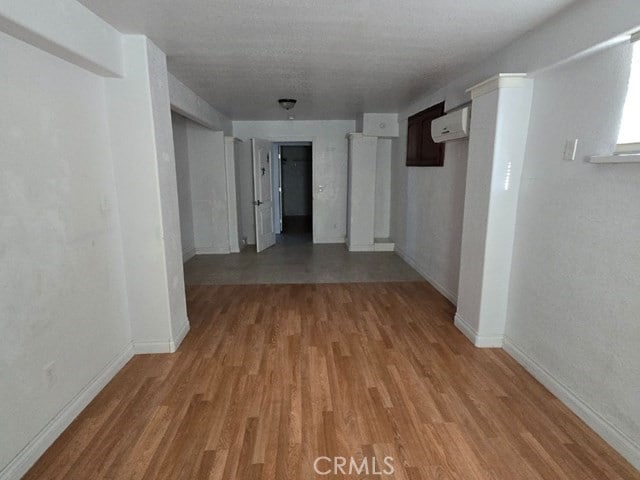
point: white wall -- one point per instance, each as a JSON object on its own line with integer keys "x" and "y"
{"x": 574, "y": 300}
{"x": 202, "y": 188}
{"x": 66, "y": 29}
{"x": 572, "y": 315}
{"x": 185, "y": 102}
{"x": 427, "y": 211}
{"x": 90, "y": 248}
{"x": 62, "y": 294}
{"x": 383, "y": 188}
{"x": 207, "y": 170}
{"x": 144, "y": 166}
{"x": 168, "y": 189}
{"x": 244, "y": 187}
{"x": 329, "y": 167}
{"x": 179, "y": 125}
{"x": 231, "y": 154}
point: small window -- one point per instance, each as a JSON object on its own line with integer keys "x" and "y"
{"x": 629, "y": 135}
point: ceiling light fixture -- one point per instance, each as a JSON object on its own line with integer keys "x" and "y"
{"x": 287, "y": 103}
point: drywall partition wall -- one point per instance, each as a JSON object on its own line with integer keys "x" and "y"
{"x": 427, "y": 207}
{"x": 380, "y": 124}
{"x": 562, "y": 39}
{"x": 161, "y": 113}
{"x": 63, "y": 305}
{"x": 497, "y": 142}
{"x": 66, "y": 29}
{"x": 232, "y": 155}
{"x": 144, "y": 166}
{"x": 361, "y": 192}
{"x": 383, "y": 189}
{"x": 413, "y": 225}
{"x": 185, "y": 102}
{"x": 329, "y": 167}
{"x": 244, "y": 185}
{"x": 573, "y": 303}
{"x": 179, "y": 126}
{"x": 207, "y": 167}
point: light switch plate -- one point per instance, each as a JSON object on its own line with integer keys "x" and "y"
{"x": 570, "y": 149}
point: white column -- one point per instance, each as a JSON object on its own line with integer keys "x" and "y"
{"x": 498, "y": 135}
{"x": 145, "y": 174}
{"x": 361, "y": 193}
{"x": 231, "y": 154}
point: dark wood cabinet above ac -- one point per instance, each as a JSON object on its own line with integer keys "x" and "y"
{"x": 422, "y": 151}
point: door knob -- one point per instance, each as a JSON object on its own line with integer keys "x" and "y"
{"x": 257, "y": 203}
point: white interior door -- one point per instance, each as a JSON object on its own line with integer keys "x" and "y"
{"x": 263, "y": 194}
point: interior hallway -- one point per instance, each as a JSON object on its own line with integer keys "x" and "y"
{"x": 271, "y": 377}
{"x": 295, "y": 260}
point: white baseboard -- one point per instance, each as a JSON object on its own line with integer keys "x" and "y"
{"x": 168, "y": 346}
{"x": 330, "y": 240}
{"x": 184, "y": 329}
{"x": 609, "y": 432}
{"x": 143, "y": 348}
{"x": 384, "y": 247}
{"x": 188, "y": 255}
{"x": 212, "y": 251}
{"x": 480, "y": 341}
{"x": 449, "y": 295}
{"x": 45, "y": 438}
{"x": 369, "y": 247}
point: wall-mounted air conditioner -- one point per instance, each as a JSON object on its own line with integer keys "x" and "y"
{"x": 451, "y": 126}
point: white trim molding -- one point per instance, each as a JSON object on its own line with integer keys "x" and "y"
{"x": 213, "y": 250}
{"x": 615, "y": 158}
{"x": 144, "y": 348}
{"x": 369, "y": 247}
{"x": 383, "y": 246}
{"x": 184, "y": 329}
{"x": 330, "y": 240}
{"x": 480, "y": 341}
{"x": 168, "y": 346}
{"x": 45, "y": 438}
{"x": 620, "y": 441}
{"x": 502, "y": 80}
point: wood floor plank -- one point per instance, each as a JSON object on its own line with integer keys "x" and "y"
{"x": 271, "y": 377}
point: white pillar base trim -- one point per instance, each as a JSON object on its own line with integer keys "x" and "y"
{"x": 609, "y": 432}
{"x": 362, "y": 248}
{"x": 45, "y": 438}
{"x": 480, "y": 341}
{"x": 213, "y": 251}
{"x": 186, "y": 326}
{"x": 170, "y": 346}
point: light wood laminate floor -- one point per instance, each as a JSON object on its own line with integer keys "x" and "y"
{"x": 271, "y": 377}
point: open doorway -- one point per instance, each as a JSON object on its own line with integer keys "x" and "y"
{"x": 293, "y": 185}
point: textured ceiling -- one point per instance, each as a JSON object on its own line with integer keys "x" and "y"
{"x": 337, "y": 57}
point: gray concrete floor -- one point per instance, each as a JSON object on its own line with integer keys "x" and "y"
{"x": 295, "y": 260}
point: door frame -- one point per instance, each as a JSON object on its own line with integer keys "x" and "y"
{"x": 302, "y": 139}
